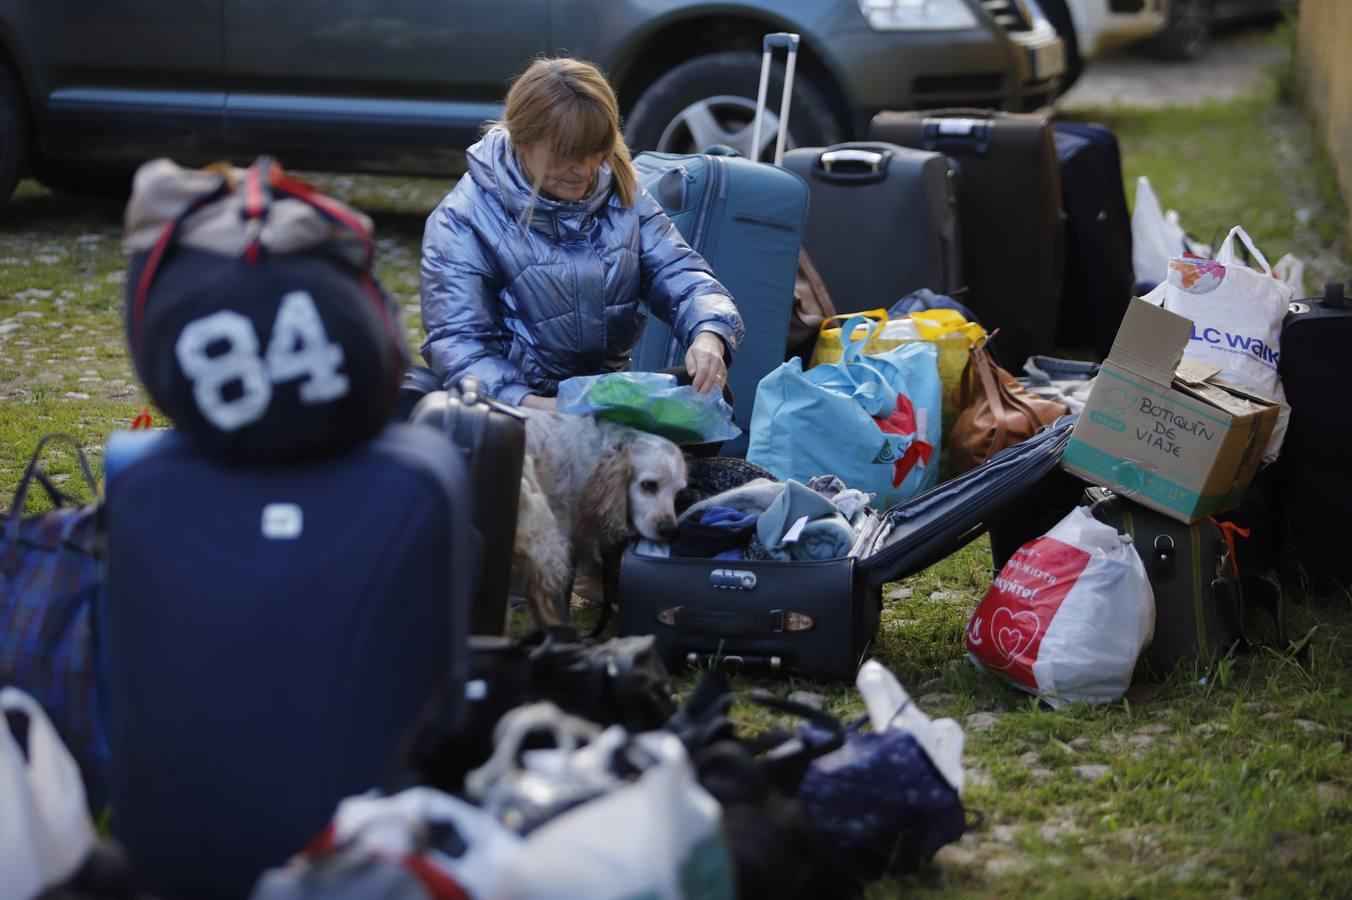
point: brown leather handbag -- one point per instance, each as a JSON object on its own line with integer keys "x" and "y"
{"x": 811, "y": 306}
{"x": 996, "y": 412}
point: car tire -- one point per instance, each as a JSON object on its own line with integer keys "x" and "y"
{"x": 1187, "y": 31}
{"x": 669, "y": 115}
{"x": 14, "y": 135}
{"x": 1058, "y": 14}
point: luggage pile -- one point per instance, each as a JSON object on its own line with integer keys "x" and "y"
{"x": 295, "y": 649}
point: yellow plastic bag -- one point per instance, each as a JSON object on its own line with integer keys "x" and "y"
{"x": 946, "y": 328}
{"x": 831, "y": 346}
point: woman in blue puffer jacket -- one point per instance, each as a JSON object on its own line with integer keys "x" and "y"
{"x": 535, "y": 267}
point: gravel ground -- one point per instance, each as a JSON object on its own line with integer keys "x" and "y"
{"x": 1234, "y": 66}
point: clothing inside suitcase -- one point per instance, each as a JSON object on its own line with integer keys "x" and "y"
{"x": 786, "y": 615}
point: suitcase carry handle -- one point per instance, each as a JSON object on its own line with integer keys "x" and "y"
{"x": 789, "y": 41}
{"x": 852, "y": 165}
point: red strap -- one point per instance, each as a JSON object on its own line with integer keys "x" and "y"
{"x": 323, "y": 842}
{"x": 147, "y": 276}
{"x": 438, "y": 884}
{"x": 143, "y": 421}
{"x": 1229, "y": 530}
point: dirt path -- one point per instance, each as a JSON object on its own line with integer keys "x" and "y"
{"x": 1235, "y": 65}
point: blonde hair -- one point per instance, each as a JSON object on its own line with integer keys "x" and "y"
{"x": 568, "y": 105}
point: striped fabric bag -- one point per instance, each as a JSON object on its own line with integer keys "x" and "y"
{"x": 49, "y": 582}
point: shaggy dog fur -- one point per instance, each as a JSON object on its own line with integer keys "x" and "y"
{"x": 587, "y": 487}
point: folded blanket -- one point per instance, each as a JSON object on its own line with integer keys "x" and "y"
{"x": 825, "y": 535}
{"x": 752, "y": 497}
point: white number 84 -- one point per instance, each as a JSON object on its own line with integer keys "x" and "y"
{"x": 298, "y": 347}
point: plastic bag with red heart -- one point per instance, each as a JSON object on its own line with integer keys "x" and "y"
{"x": 1067, "y": 615}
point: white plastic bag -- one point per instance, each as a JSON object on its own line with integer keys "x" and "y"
{"x": 1237, "y": 317}
{"x": 889, "y": 707}
{"x": 45, "y": 829}
{"x": 1291, "y": 269}
{"x": 1068, "y": 614}
{"x": 1157, "y": 236}
{"x": 1155, "y": 239}
{"x": 658, "y": 836}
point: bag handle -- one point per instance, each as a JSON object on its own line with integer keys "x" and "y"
{"x": 879, "y": 315}
{"x": 852, "y": 348}
{"x": 994, "y": 397}
{"x": 568, "y": 732}
{"x": 1226, "y": 254}
{"x": 34, "y": 472}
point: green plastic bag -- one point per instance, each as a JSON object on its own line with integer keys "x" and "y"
{"x": 651, "y": 402}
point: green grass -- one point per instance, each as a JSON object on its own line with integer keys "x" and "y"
{"x": 1231, "y": 782}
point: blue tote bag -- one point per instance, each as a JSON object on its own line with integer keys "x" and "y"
{"x": 871, "y": 420}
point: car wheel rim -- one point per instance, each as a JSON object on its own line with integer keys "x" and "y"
{"x": 724, "y": 120}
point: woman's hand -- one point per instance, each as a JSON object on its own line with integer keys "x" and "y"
{"x": 531, "y": 401}
{"x": 704, "y": 362}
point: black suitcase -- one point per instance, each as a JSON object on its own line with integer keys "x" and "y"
{"x": 1198, "y": 603}
{"x": 1009, "y": 209}
{"x": 817, "y": 618}
{"x": 1315, "y": 364}
{"x": 270, "y": 634}
{"x": 901, "y": 210}
{"x": 492, "y": 440}
{"x": 1098, "y": 281}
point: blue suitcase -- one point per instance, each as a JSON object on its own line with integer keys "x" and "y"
{"x": 1098, "y": 278}
{"x": 270, "y": 634}
{"x": 746, "y": 219}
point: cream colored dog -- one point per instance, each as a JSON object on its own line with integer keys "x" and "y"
{"x": 587, "y": 486}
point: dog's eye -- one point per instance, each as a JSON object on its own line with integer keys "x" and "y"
{"x": 649, "y": 486}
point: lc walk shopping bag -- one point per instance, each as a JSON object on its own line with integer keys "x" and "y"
{"x": 1067, "y": 615}
{"x": 1236, "y": 315}
{"x": 873, "y": 421}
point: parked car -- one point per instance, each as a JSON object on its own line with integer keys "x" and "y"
{"x": 1187, "y": 33}
{"x": 1090, "y": 28}
{"x": 91, "y": 87}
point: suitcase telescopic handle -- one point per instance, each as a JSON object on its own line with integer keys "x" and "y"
{"x": 788, "y": 41}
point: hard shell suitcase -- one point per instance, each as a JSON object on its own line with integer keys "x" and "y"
{"x": 817, "y": 618}
{"x": 1314, "y": 365}
{"x": 491, "y": 437}
{"x": 1198, "y": 603}
{"x": 270, "y": 633}
{"x": 1009, "y": 211}
{"x": 746, "y": 219}
{"x": 1098, "y": 279}
{"x": 901, "y": 209}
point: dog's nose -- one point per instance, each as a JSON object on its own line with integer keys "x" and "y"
{"x": 668, "y": 530}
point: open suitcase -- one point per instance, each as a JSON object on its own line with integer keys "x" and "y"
{"x": 901, "y": 207}
{"x": 1009, "y": 208}
{"x": 270, "y": 633}
{"x": 746, "y": 219}
{"x": 817, "y": 618}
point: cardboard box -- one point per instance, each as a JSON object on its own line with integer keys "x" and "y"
{"x": 1171, "y": 437}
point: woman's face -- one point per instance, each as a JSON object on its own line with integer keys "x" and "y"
{"x": 560, "y": 178}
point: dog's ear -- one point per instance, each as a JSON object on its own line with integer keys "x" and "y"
{"x": 603, "y": 509}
